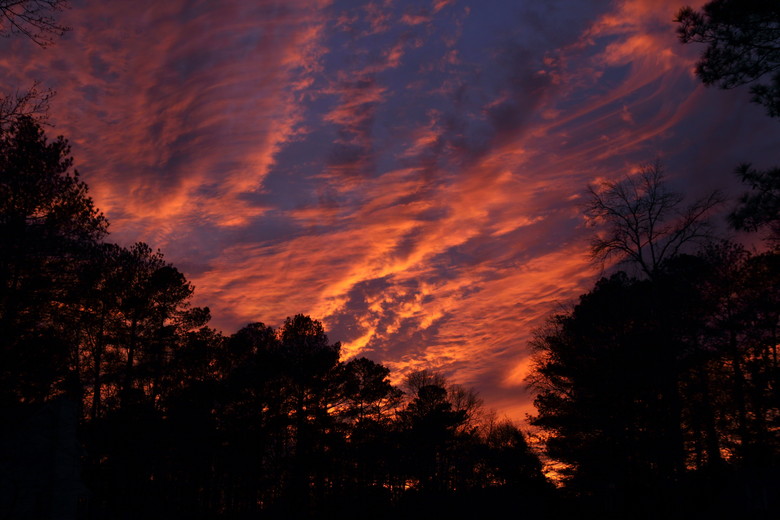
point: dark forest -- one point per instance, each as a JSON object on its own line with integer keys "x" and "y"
{"x": 656, "y": 393}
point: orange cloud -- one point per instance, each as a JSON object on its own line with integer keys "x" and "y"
{"x": 409, "y": 175}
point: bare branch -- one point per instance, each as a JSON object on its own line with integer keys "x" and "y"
{"x": 644, "y": 223}
{"x": 32, "y": 103}
{"x": 34, "y": 19}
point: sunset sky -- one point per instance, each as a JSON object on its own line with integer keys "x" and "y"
{"x": 408, "y": 172}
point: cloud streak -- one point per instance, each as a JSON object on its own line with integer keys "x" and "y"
{"x": 410, "y": 174}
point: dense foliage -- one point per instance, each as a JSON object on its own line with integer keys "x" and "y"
{"x": 743, "y": 46}
{"x": 118, "y": 400}
{"x": 656, "y": 394}
{"x": 742, "y": 39}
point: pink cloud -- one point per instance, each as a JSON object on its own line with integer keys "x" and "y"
{"x": 411, "y": 179}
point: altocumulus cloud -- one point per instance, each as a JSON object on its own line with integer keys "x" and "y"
{"x": 409, "y": 173}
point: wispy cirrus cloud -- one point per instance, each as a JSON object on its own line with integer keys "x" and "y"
{"x": 409, "y": 173}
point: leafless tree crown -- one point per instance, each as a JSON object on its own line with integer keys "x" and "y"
{"x": 644, "y": 223}
{"x": 32, "y": 103}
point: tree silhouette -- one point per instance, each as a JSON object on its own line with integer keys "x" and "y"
{"x": 368, "y": 394}
{"x": 48, "y": 226}
{"x": 761, "y": 207}
{"x": 665, "y": 383}
{"x": 152, "y": 305}
{"x": 32, "y": 103}
{"x": 430, "y": 424}
{"x": 606, "y": 388}
{"x": 34, "y": 19}
{"x": 102, "y": 354}
{"x": 508, "y": 460}
{"x": 741, "y": 330}
{"x": 743, "y": 45}
{"x": 644, "y": 221}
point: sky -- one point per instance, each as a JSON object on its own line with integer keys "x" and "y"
{"x": 411, "y": 173}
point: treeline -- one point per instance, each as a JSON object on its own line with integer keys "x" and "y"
{"x": 657, "y": 393}
{"x": 118, "y": 400}
{"x": 659, "y": 396}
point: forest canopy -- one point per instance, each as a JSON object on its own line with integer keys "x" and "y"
{"x": 656, "y": 392}
{"x": 176, "y": 419}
